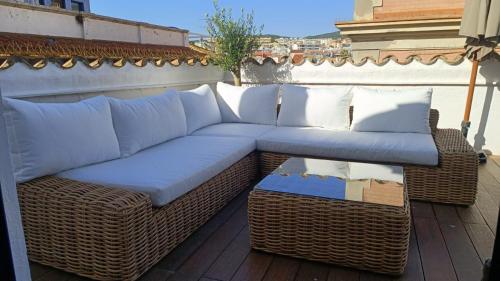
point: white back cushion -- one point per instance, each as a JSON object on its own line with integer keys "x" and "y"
{"x": 144, "y": 122}
{"x": 47, "y": 138}
{"x": 257, "y": 105}
{"x": 315, "y": 107}
{"x": 201, "y": 108}
{"x": 402, "y": 111}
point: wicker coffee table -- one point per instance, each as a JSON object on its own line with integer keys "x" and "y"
{"x": 345, "y": 213}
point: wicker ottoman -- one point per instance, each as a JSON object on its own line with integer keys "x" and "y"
{"x": 333, "y": 212}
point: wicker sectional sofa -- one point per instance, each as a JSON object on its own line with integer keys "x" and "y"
{"x": 107, "y": 232}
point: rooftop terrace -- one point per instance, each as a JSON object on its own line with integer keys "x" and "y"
{"x": 446, "y": 243}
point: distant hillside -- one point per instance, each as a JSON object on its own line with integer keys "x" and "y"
{"x": 273, "y": 36}
{"x": 335, "y": 34}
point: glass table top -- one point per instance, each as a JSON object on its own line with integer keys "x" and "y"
{"x": 354, "y": 181}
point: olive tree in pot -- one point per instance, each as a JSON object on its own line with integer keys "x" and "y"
{"x": 233, "y": 40}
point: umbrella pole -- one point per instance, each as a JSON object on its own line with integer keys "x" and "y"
{"x": 470, "y": 95}
{"x": 468, "y": 106}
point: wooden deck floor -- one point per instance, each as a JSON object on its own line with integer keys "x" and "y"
{"x": 447, "y": 243}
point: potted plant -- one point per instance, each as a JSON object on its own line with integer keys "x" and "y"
{"x": 233, "y": 40}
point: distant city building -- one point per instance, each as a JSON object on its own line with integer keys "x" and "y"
{"x": 73, "y": 5}
{"x": 402, "y": 28}
{"x": 298, "y": 49}
{"x": 266, "y": 40}
{"x": 302, "y": 48}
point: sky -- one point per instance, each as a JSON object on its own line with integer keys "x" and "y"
{"x": 287, "y": 18}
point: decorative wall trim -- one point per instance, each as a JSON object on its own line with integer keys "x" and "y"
{"x": 337, "y": 62}
{"x": 37, "y": 51}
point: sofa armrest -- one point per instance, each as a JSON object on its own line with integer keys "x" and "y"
{"x": 452, "y": 142}
{"x": 98, "y": 231}
{"x": 433, "y": 120}
{"x": 455, "y": 178}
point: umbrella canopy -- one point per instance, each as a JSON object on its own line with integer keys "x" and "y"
{"x": 481, "y": 24}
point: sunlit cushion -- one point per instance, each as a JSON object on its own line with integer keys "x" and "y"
{"x": 257, "y": 105}
{"x": 143, "y": 122}
{"x": 401, "y": 111}
{"x": 168, "y": 170}
{"x": 201, "y": 108}
{"x": 234, "y": 130}
{"x": 46, "y": 138}
{"x": 315, "y": 107}
{"x": 398, "y": 148}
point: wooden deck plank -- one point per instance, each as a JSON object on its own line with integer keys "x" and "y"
{"x": 487, "y": 207}
{"x": 282, "y": 269}
{"x": 367, "y": 276}
{"x": 182, "y": 252}
{"x": 56, "y": 275}
{"x": 496, "y": 159}
{"x": 446, "y": 214}
{"x": 482, "y": 238}
{"x": 231, "y": 258}
{"x": 487, "y": 173}
{"x": 467, "y": 264}
{"x": 490, "y": 183}
{"x": 197, "y": 264}
{"x": 312, "y": 271}
{"x": 41, "y": 272}
{"x": 343, "y": 274}
{"x": 470, "y": 214}
{"x": 254, "y": 267}
{"x": 421, "y": 209}
{"x": 413, "y": 271}
{"x": 493, "y": 168}
{"x": 436, "y": 261}
{"x": 38, "y": 270}
{"x": 156, "y": 274}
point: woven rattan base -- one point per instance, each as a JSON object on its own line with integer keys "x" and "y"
{"x": 453, "y": 181}
{"x": 113, "y": 234}
{"x": 354, "y": 234}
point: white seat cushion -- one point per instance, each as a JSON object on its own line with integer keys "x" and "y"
{"x": 401, "y": 111}
{"x": 168, "y": 170}
{"x": 400, "y": 148}
{"x": 234, "y": 130}
{"x": 47, "y": 138}
{"x": 144, "y": 122}
{"x": 257, "y": 105}
{"x": 201, "y": 108}
{"x": 315, "y": 107}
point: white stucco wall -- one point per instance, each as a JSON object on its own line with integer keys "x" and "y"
{"x": 80, "y": 81}
{"x": 40, "y": 20}
{"x": 450, "y": 83}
